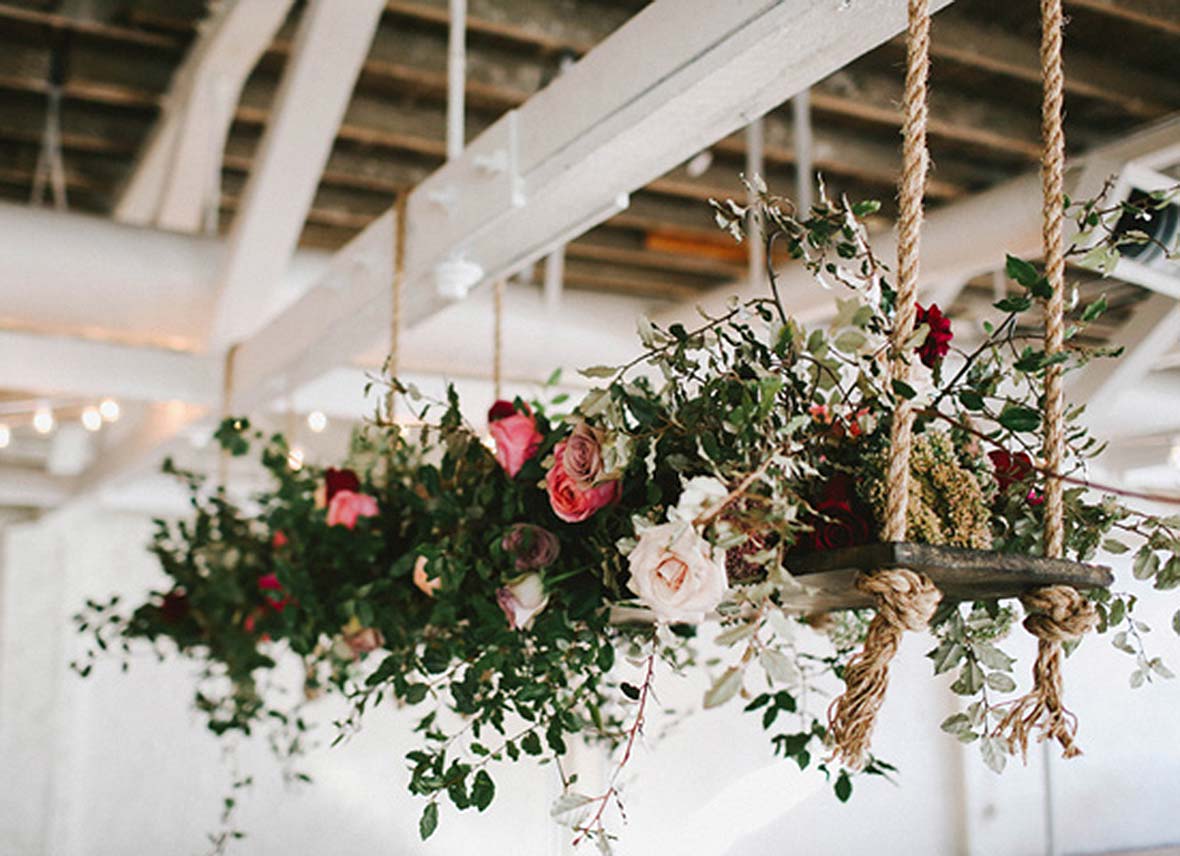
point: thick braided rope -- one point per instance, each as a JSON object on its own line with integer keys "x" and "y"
{"x": 393, "y": 362}
{"x": 1056, "y": 614}
{"x": 1053, "y": 239}
{"x": 905, "y": 600}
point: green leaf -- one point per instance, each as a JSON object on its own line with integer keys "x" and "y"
{"x": 1014, "y": 304}
{"x": 1020, "y": 419}
{"x": 1095, "y": 309}
{"x": 843, "y": 786}
{"x": 531, "y": 743}
{"x": 1001, "y": 682}
{"x": 971, "y": 399}
{"x": 946, "y": 656}
{"x": 779, "y": 667}
{"x": 483, "y": 790}
{"x": 1176, "y": 622}
{"x": 429, "y": 821}
{"x": 865, "y": 207}
{"x": 970, "y": 680}
{"x": 724, "y": 688}
{"x": 598, "y": 372}
{"x": 415, "y": 693}
{"x": 903, "y": 390}
{"x": 1110, "y": 545}
{"x": 1020, "y": 270}
{"x": 1146, "y": 564}
{"x": 993, "y": 657}
{"x": 993, "y": 754}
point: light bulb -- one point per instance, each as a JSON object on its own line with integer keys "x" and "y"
{"x": 5, "y": 435}
{"x": 295, "y": 459}
{"x": 317, "y": 421}
{"x": 109, "y": 409}
{"x": 43, "y": 420}
{"x": 91, "y": 419}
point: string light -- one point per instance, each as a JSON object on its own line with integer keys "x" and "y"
{"x": 43, "y": 420}
{"x": 295, "y": 459}
{"x": 108, "y": 408}
{"x": 5, "y": 435}
{"x": 91, "y": 419}
{"x": 317, "y": 421}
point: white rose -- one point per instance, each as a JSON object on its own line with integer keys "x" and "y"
{"x": 677, "y": 574}
{"x": 700, "y": 494}
{"x": 522, "y": 600}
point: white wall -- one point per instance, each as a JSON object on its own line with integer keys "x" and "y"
{"x": 118, "y": 764}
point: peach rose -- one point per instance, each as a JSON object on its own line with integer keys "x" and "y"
{"x": 347, "y": 507}
{"x": 516, "y": 435}
{"x": 677, "y": 574}
{"x": 570, "y": 503}
{"x": 425, "y": 583}
{"x": 360, "y": 639}
{"x": 522, "y": 600}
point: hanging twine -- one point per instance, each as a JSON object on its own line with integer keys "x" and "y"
{"x": 497, "y": 339}
{"x": 905, "y": 600}
{"x": 392, "y": 362}
{"x": 1056, "y": 613}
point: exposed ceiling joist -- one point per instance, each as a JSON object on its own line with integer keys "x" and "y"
{"x": 1159, "y": 14}
{"x": 175, "y": 180}
{"x": 309, "y": 105}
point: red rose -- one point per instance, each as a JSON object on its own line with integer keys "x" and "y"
{"x": 840, "y": 519}
{"x": 175, "y": 606}
{"x": 1011, "y": 468}
{"x": 338, "y": 480}
{"x": 270, "y": 583}
{"x": 278, "y": 540}
{"x": 938, "y": 340}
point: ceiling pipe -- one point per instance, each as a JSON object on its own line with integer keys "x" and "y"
{"x": 456, "y": 77}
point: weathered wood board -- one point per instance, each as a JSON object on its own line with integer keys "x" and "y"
{"x": 827, "y": 579}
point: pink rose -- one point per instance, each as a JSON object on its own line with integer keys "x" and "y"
{"x": 522, "y": 600}
{"x": 515, "y": 433}
{"x": 583, "y": 456}
{"x": 530, "y": 546}
{"x": 347, "y": 507}
{"x": 429, "y": 585}
{"x": 277, "y": 601}
{"x": 569, "y": 502}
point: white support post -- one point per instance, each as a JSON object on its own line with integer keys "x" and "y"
{"x": 330, "y": 47}
{"x": 178, "y": 177}
{"x": 456, "y": 77}
{"x": 804, "y": 151}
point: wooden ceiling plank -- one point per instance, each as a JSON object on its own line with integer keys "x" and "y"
{"x": 1163, "y": 15}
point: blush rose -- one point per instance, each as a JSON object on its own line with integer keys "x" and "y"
{"x": 530, "y": 546}
{"x": 522, "y": 600}
{"x": 346, "y": 507}
{"x": 426, "y": 584}
{"x": 676, "y": 573}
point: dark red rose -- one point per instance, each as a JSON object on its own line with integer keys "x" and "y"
{"x": 938, "y": 340}
{"x": 531, "y": 546}
{"x": 270, "y": 583}
{"x": 841, "y": 520}
{"x": 738, "y": 567}
{"x": 175, "y": 606}
{"x": 1011, "y": 468}
{"x": 338, "y": 480}
{"x": 501, "y": 410}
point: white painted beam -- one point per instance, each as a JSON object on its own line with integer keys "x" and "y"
{"x": 79, "y": 368}
{"x": 177, "y": 180}
{"x": 26, "y": 488}
{"x": 330, "y": 47}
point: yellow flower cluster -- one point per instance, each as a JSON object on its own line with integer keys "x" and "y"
{"x": 949, "y": 502}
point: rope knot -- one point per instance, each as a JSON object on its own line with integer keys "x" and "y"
{"x": 1058, "y": 614}
{"x": 906, "y": 600}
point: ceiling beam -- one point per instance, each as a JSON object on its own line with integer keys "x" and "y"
{"x": 1161, "y": 15}
{"x": 175, "y": 180}
{"x": 309, "y": 105}
{"x": 996, "y": 50}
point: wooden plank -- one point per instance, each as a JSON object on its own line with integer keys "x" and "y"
{"x": 828, "y": 577}
{"x": 96, "y": 29}
{"x": 1163, "y": 15}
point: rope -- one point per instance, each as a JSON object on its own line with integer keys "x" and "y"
{"x": 227, "y": 392}
{"x": 393, "y": 361}
{"x": 1057, "y": 613}
{"x": 497, "y": 339}
{"x": 905, "y": 600}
